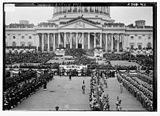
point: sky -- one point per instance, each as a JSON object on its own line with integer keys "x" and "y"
{"x": 35, "y": 15}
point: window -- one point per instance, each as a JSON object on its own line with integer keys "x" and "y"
{"x": 149, "y": 45}
{"x": 139, "y": 37}
{"x": 22, "y": 43}
{"x": 135, "y": 34}
{"x": 29, "y": 43}
{"x": 140, "y": 46}
{"x": 30, "y": 37}
{"x": 143, "y": 35}
{"x": 149, "y": 37}
{"x": 14, "y": 37}
{"x": 132, "y": 46}
{"x": 22, "y": 37}
{"x": 132, "y": 37}
{"x": 13, "y": 43}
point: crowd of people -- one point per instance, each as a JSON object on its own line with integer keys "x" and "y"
{"x": 99, "y": 101}
{"x": 27, "y": 57}
{"x": 143, "y": 60}
{"x": 141, "y": 93}
{"x": 16, "y": 93}
{"x": 26, "y": 83}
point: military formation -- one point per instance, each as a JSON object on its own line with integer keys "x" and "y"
{"x": 99, "y": 101}
{"x": 142, "y": 94}
{"x": 16, "y": 93}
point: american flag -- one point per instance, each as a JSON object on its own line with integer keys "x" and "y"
{"x": 79, "y": 38}
{"x": 116, "y": 37}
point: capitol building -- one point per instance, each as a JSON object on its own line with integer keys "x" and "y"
{"x": 79, "y": 27}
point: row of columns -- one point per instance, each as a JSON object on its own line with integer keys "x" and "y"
{"x": 109, "y": 38}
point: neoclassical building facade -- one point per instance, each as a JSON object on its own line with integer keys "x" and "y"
{"x": 80, "y": 27}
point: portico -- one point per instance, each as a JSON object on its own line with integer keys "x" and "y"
{"x": 80, "y": 34}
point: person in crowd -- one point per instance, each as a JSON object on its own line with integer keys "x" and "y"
{"x": 121, "y": 87}
{"x": 70, "y": 75}
{"x": 57, "y": 108}
{"x": 45, "y": 86}
{"x": 83, "y": 88}
{"x": 117, "y": 104}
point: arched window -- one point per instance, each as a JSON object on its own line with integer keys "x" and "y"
{"x": 14, "y": 43}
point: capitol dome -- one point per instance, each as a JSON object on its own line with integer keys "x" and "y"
{"x": 93, "y": 13}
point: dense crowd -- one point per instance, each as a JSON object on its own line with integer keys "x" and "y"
{"x": 99, "y": 101}
{"x": 145, "y": 61}
{"x": 15, "y": 93}
{"x": 75, "y": 52}
{"x": 141, "y": 93}
{"x": 27, "y": 57}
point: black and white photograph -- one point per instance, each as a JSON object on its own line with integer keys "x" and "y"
{"x": 80, "y": 56}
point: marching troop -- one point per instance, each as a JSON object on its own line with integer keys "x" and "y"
{"x": 99, "y": 101}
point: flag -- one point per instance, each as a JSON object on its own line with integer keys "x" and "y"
{"x": 116, "y": 37}
{"x": 79, "y": 38}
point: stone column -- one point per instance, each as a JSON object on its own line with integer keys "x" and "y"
{"x": 123, "y": 45}
{"x": 118, "y": 39}
{"x": 76, "y": 40}
{"x": 70, "y": 40}
{"x": 58, "y": 40}
{"x": 94, "y": 40}
{"x": 82, "y": 40}
{"x": 88, "y": 40}
{"x": 106, "y": 42}
{"x": 111, "y": 42}
{"x": 38, "y": 38}
{"x": 100, "y": 37}
{"x": 42, "y": 42}
{"x": 48, "y": 42}
{"x": 53, "y": 41}
{"x": 65, "y": 40}
{"x": 36, "y": 41}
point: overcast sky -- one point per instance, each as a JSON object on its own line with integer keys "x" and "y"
{"x": 126, "y": 15}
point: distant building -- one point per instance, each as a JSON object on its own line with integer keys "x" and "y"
{"x": 80, "y": 27}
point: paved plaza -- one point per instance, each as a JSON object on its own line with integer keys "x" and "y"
{"x": 68, "y": 96}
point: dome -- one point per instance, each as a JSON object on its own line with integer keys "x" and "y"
{"x": 89, "y": 12}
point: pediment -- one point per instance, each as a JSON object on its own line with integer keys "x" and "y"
{"x": 80, "y": 24}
